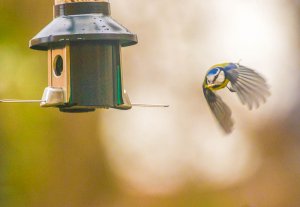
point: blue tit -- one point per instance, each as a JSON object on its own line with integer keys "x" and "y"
{"x": 250, "y": 87}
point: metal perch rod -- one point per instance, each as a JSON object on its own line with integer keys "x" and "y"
{"x": 19, "y": 101}
{"x": 74, "y": 1}
{"x": 39, "y": 101}
{"x": 151, "y": 105}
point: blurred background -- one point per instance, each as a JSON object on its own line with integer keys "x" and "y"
{"x": 157, "y": 157}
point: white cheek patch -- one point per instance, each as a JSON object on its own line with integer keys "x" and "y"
{"x": 221, "y": 78}
{"x": 210, "y": 79}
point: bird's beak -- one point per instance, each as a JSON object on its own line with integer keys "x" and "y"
{"x": 210, "y": 85}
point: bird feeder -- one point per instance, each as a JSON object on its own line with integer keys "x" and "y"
{"x": 84, "y": 57}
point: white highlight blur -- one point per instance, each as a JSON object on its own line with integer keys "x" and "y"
{"x": 158, "y": 150}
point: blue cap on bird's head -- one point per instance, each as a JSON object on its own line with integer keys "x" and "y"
{"x": 213, "y": 71}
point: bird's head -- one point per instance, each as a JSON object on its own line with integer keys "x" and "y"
{"x": 215, "y": 77}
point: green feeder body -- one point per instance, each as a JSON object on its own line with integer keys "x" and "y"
{"x": 84, "y": 58}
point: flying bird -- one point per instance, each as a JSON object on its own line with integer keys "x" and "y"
{"x": 250, "y": 87}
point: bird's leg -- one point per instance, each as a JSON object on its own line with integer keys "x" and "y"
{"x": 231, "y": 89}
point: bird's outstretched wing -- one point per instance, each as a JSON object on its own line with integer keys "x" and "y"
{"x": 221, "y": 111}
{"x": 250, "y": 86}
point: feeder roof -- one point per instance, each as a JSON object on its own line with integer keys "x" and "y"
{"x": 79, "y": 25}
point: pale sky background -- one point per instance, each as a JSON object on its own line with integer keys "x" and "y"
{"x": 158, "y": 150}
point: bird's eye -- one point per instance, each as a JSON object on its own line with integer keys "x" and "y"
{"x": 211, "y": 79}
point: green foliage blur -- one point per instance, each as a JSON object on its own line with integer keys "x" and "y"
{"x": 47, "y": 158}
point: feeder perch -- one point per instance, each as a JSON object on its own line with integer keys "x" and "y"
{"x": 84, "y": 58}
